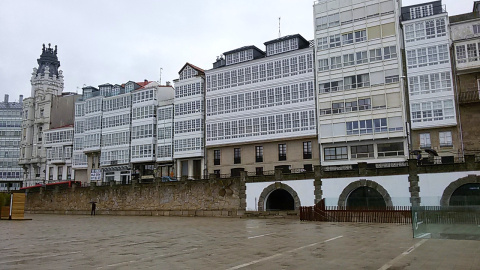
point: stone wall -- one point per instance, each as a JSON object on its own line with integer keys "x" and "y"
{"x": 187, "y": 198}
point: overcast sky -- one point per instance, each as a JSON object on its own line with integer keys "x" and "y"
{"x": 120, "y": 40}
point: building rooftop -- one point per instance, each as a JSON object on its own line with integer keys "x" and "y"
{"x": 464, "y": 17}
{"x": 243, "y": 49}
{"x": 285, "y": 38}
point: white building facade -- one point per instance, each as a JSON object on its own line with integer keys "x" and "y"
{"x": 115, "y": 137}
{"x": 361, "y": 104}
{"x": 429, "y": 73}
{"x": 189, "y": 134}
{"x": 59, "y": 147}
{"x": 260, "y": 109}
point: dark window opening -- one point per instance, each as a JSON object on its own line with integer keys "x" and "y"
{"x": 237, "y": 156}
{"x": 282, "y": 152}
{"x": 235, "y": 172}
{"x": 280, "y": 199}
{"x": 307, "y": 150}
{"x": 258, "y": 153}
{"x": 216, "y": 157}
{"x": 308, "y": 167}
{"x": 259, "y": 171}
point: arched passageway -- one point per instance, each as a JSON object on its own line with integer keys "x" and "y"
{"x": 278, "y": 196}
{"x": 365, "y": 197}
{"x": 464, "y": 191}
{"x": 280, "y": 199}
{"x": 468, "y": 194}
{"x": 363, "y": 193}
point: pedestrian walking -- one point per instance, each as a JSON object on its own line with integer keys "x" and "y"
{"x": 94, "y": 206}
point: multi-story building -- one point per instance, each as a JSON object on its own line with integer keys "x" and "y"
{"x": 115, "y": 131}
{"x": 58, "y": 144}
{"x": 11, "y": 174}
{"x": 260, "y": 109}
{"x": 465, "y": 34}
{"x": 47, "y": 83}
{"x": 361, "y": 102}
{"x": 152, "y": 107}
{"x": 189, "y": 134}
{"x": 429, "y": 74}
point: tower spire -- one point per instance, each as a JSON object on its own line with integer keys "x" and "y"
{"x": 49, "y": 59}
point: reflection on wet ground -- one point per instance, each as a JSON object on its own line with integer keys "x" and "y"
{"x": 122, "y": 242}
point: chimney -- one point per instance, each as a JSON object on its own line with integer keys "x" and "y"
{"x": 20, "y": 99}
{"x": 167, "y": 83}
{"x": 6, "y": 98}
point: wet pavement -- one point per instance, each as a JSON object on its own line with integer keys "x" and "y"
{"x": 126, "y": 242}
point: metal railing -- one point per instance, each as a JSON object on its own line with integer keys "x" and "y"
{"x": 469, "y": 96}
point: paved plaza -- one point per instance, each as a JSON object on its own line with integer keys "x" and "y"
{"x": 134, "y": 242}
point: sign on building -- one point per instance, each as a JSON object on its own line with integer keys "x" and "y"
{"x": 95, "y": 175}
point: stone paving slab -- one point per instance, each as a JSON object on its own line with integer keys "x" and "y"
{"x": 140, "y": 242}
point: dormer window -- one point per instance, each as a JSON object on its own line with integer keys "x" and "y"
{"x": 187, "y": 73}
{"x": 421, "y": 11}
{"x": 282, "y": 46}
{"x": 239, "y": 57}
{"x": 129, "y": 87}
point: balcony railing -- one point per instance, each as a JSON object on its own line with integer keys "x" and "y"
{"x": 469, "y": 96}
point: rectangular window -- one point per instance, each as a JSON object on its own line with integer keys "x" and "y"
{"x": 390, "y": 52}
{"x": 307, "y": 150}
{"x": 390, "y": 149}
{"x": 216, "y": 157}
{"x": 375, "y": 55}
{"x": 335, "y": 41}
{"x": 425, "y": 140}
{"x": 362, "y": 151}
{"x": 348, "y": 60}
{"x": 361, "y": 57}
{"x": 322, "y": 43}
{"x": 347, "y": 38}
{"x": 476, "y": 28}
{"x": 445, "y": 138}
{"x": 472, "y": 52}
{"x": 360, "y": 35}
{"x": 237, "y": 156}
{"x": 336, "y": 62}
{"x": 258, "y": 153}
{"x": 461, "y": 54}
{"x": 323, "y": 64}
{"x": 335, "y": 153}
{"x": 282, "y": 152}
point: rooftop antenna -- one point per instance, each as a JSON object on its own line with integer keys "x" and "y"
{"x": 160, "y": 82}
{"x": 279, "y": 35}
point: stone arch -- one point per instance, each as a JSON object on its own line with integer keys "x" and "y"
{"x": 448, "y": 192}
{"x": 342, "y": 199}
{"x": 277, "y": 185}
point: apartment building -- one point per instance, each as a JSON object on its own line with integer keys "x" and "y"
{"x": 189, "y": 129}
{"x": 260, "y": 109}
{"x": 11, "y": 174}
{"x": 115, "y": 131}
{"x": 430, "y": 85}
{"x": 360, "y": 99}
{"x": 465, "y": 34}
